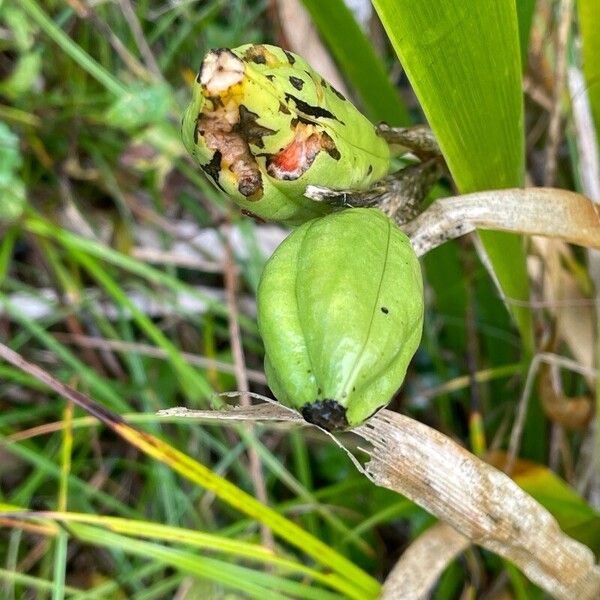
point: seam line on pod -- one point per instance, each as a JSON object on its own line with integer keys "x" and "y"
{"x": 373, "y": 311}
{"x": 413, "y": 330}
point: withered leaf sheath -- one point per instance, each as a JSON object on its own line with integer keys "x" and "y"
{"x": 263, "y": 125}
{"x": 340, "y": 309}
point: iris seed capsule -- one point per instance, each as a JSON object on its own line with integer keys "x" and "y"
{"x": 340, "y": 310}
{"x": 263, "y": 125}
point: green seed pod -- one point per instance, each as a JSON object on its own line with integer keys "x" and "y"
{"x": 264, "y": 125}
{"x": 340, "y": 311}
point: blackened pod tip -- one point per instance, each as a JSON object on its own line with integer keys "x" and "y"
{"x": 327, "y": 414}
{"x": 220, "y": 70}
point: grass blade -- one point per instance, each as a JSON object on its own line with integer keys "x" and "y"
{"x": 103, "y": 252}
{"x": 359, "y": 61}
{"x": 60, "y": 552}
{"x": 365, "y": 586}
{"x": 193, "y": 384}
{"x": 232, "y": 548}
{"x": 82, "y": 58}
{"x": 252, "y": 583}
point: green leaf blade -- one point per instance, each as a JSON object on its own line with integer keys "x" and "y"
{"x": 463, "y": 61}
{"x": 590, "y": 35}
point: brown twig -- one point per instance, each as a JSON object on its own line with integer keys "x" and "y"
{"x": 131, "y": 62}
{"x": 241, "y": 376}
{"x": 519, "y": 424}
{"x": 85, "y": 341}
{"x": 140, "y": 40}
{"x": 554, "y": 132}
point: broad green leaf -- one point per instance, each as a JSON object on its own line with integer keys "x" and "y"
{"x": 36, "y": 583}
{"x": 463, "y": 61}
{"x": 21, "y": 80}
{"x": 589, "y": 25}
{"x": 358, "y": 59}
{"x": 28, "y": 61}
{"x": 22, "y": 29}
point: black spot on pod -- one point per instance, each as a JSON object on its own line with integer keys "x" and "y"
{"x": 370, "y": 169}
{"x": 290, "y": 57}
{"x": 249, "y": 128}
{"x": 213, "y": 167}
{"x": 311, "y": 111}
{"x": 328, "y": 414}
{"x": 329, "y": 146}
{"x": 196, "y": 128}
{"x": 385, "y": 310}
{"x": 270, "y": 77}
{"x": 296, "y": 82}
{"x": 334, "y": 153}
{"x": 299, "y": 119}
{"x": 338, "y": 94}
{"x": 256, "y": 54}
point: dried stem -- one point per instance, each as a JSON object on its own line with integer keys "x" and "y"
{"x": 130, "y": 61}
{"x": 517, "y": 430}
{"x": 85, "y": 341}
{"x": 242, "y": 385}
{"x": 554, "y": 133}
{"x": 535, "y": 211}
{"x": 423, "y": 562}
{"x": 418, "y": 139}
{"x": 398, "y": 195}
{"x": 140, "y": 40}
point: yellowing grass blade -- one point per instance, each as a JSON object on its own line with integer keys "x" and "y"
{"x": 364, "y": 586}
{"x": 234, "y": 549}
{"x": 463, "y": 61}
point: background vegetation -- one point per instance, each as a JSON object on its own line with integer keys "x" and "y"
{"x": 122, "y": 272}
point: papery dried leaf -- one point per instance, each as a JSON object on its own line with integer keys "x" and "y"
{"x": 257, "y": 412}
{"x": 536, "y": 211}
{"x": 481, "y": 502}
{"x": 423, "y": 562}
{"x": 570, "y": 412}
